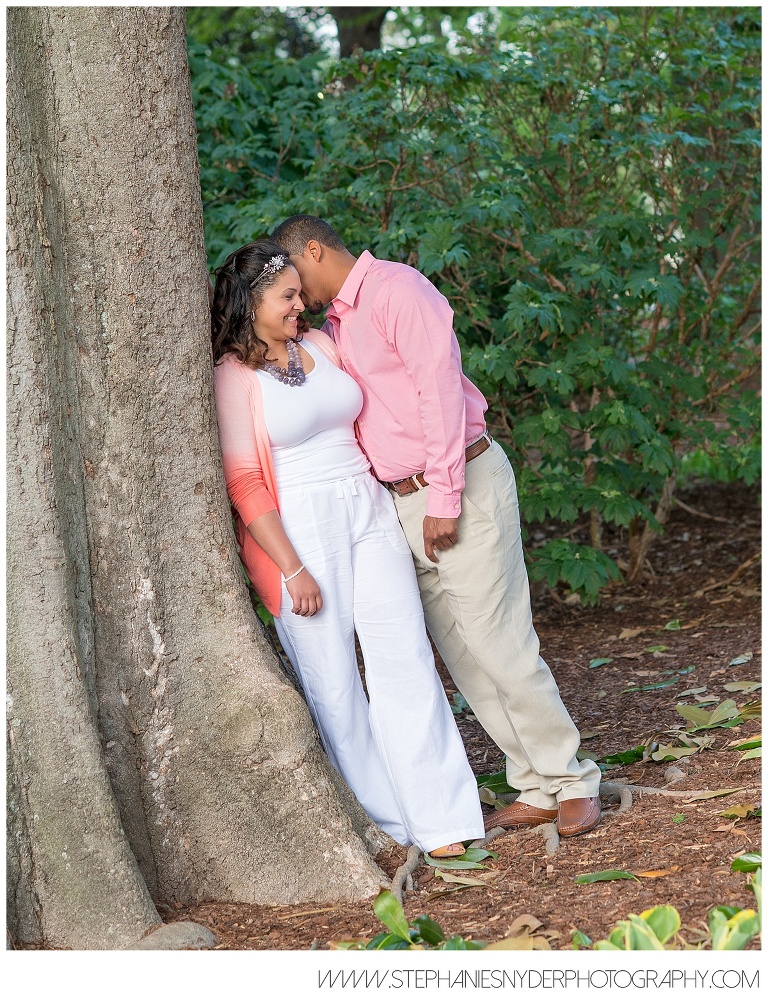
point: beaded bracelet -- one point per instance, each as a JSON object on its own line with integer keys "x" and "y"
{"x": 295, "y": 573}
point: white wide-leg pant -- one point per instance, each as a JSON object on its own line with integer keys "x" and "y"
{"x": 401, "y": 753}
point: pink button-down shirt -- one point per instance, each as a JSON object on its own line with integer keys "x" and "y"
{"x": 394, "y": 331}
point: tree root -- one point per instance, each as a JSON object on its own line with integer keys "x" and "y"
{"x": 667, "y": 792}
{"x": 403, "y": 878}
{"x": 615, "y": 790}
{"x": 497, "y": 831}
{"x": 551, "y": 837}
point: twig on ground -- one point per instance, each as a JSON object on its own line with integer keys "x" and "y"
{"x": 729, "y": 580}
{"x": 699, "y": 514}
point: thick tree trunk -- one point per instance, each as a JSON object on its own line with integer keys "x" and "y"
{"x": 157, "y": 750}
{"x": 358, "y": 27}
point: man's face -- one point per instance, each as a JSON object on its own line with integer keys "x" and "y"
{"x": 314, "y": 292}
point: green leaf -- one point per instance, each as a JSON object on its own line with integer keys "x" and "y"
{"x": 651, "y": 686}
{"x": 605, "y": 945}
{"x": 391, "y": 915}
{"x": 665, "y": 754}
{"x": 624, "y": 758}
{"x": 461, "y": 880}
{"x": 640, "y": 935}
{"x": 428, "y": 929}
{"x": 732, "y": 933}
{"x": 672, "y": 625}
{"x": 469, "y": 861}
{"x": 456, "y": 943}
{"x": 492, "y": 780}
{"x": 478, "y": 854}
{"x": 604, "y": 876}
{"x": 389, "y": 941}
{"x": 664, "y": 921}
{"x": 580, "y": 940}
{"x": 747, "y": 862}
{"x": 459, "y": 704}
{"x": 597, "y": 662}
{"x": 706, "y": 795}
{"x": 742, "y": 659}
{"x": 700, "y": 717}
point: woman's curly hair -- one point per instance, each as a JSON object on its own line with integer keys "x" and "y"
{"x": 241, "y": 283}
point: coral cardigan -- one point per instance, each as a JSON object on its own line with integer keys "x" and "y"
{"x": 247, "y": 460}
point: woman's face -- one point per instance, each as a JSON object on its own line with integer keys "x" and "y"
{"x": 277, "y": 316}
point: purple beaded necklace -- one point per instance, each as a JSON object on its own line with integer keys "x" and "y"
{"x": 294, "y": 373}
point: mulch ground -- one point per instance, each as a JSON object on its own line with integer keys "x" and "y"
{"x": 688, "y": 844}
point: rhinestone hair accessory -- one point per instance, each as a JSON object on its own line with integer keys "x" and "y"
{"x": 275, "y": 264}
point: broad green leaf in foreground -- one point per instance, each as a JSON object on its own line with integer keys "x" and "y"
{"x": 428, "y": 929}
{"x": 391, "y": 914}
{"x": 748, "y": 862}
{"x": 732, "y": 933}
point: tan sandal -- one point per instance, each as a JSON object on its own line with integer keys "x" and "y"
{"x": 450, "y": 850}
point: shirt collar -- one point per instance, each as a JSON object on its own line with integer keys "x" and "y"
{"x": 351, "y": 287}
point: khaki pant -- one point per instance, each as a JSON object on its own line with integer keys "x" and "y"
{"x": 478, "y": 612}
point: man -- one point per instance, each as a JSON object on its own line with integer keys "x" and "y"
{"x": 422, "y": 427}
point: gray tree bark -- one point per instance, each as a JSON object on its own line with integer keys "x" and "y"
{"x": 157, "y": 751}
{"x": 358, "y": 27}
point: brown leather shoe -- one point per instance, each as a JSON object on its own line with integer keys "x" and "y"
{"x": 577, "y": 815}
{"x": 519, "y": 814}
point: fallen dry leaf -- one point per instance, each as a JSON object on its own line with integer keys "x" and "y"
{"x": 628, "y": 632}
{"x": 738, "y": 811}
{"x": 657, "y": 872}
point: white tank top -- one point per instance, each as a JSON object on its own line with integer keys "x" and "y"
{"x": 311, "y": 426}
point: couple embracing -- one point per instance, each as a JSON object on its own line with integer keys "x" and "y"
{"x": 370, "y": 499}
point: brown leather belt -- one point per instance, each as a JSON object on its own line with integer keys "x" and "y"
{"x": 413, "y": 483}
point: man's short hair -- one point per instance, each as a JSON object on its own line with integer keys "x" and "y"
{"x": 294, "y": 233}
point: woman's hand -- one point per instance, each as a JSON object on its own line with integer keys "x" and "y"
{"x": 305, "y": 594}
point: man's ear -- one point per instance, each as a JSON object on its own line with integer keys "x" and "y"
{"x": 313, "y": 250}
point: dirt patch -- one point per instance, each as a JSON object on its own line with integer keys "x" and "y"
{"x": 615, "y": 711}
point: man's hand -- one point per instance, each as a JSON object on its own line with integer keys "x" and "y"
{"x": 439, "y": 534}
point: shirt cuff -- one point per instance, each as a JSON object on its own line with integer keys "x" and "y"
{"x": 442, "y": 505}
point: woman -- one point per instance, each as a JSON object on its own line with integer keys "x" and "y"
{"x": 321, "y": 543}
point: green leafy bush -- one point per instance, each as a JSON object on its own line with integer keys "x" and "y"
{"x": 584, "y": 188}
